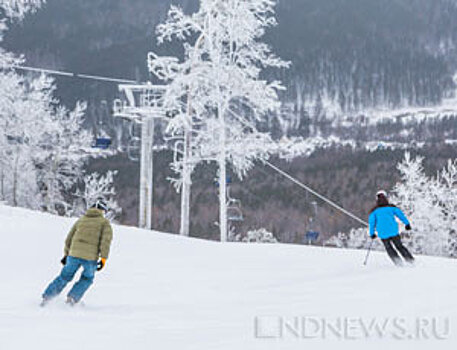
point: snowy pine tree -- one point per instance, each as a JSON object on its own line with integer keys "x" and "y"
{"x": 418, "y": 196}
{"x": 447, "y": 180}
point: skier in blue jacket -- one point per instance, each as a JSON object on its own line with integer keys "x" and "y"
{"x": 383, "y": 221}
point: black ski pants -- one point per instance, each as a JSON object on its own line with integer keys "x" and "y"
{"x": 389, "y": 243}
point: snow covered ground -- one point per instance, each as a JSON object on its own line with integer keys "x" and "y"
{"x": 166, "y": 292}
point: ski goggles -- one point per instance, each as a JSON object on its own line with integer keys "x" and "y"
{"x": 101, "y": 205}
{"x": 381, "y": 193}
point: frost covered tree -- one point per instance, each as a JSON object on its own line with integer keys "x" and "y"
{"x": 218, "y": 90}
{"x": 23, "y": 120}
{"x": 13, "y": 10}
{"x": 432, "y": 205}
{"x": 447, "y": 178}
{"x": 98, "y": 186}
{"x": 18, "y": 8}
{"x": 418, "y": 196}
{"x": 259, "y": 236}
{"x": 429, "y": 202}
{"x": 43, "y": 146}
{"x": 13, "y": 101}
{"x": 357, "y": 238}
{"x": 61, "y": 157}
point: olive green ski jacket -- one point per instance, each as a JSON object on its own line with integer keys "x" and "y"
{"x": 90, "y": 237}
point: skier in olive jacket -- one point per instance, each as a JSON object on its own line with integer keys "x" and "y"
{"x": 87, "y": 246}
{"x": 383, "y": 221}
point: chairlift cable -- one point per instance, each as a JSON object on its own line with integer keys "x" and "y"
{"x": 309, "y": 189}
{"x": 73, "y": 75}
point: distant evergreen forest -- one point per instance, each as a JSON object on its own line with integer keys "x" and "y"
{"x": 355, "y": 53}
{"x": 366, "y": 53}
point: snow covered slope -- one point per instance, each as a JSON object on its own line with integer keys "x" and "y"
{"x": 164, "y": 292}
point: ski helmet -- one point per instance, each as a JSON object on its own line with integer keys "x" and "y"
{"x": 101, "y": 205}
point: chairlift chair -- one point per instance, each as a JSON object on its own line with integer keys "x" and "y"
{"x": 234, "y": 212}
{"x": 228, "y": 181}
{"x": 135, "y": 129}
{"x": 311, "y": 236}
{"x": 102, "y": 143}
{"x": 134, "y": 149}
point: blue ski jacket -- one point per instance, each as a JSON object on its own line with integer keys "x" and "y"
{"x": 383, "y": 221}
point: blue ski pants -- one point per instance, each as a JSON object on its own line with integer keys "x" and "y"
{"x": 67, "y": 274}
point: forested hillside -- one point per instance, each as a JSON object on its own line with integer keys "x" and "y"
{"x": 356, "y": 53}
{"x": 349, "y": 57}
{"x": 269, "y": 200}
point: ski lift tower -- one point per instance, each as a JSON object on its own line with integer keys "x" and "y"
{"x": 143, "y": 105}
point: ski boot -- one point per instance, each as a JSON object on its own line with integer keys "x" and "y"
{"x": 45, "y": 302}
{"x": 398, "y": 262}
{"x": 411, "y": 262}
{"x": 71, "y": 301}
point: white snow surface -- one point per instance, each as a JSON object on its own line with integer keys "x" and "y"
{"x": 161, "y": 291}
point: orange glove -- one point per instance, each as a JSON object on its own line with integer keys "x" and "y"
{"x": 101, "y": 264}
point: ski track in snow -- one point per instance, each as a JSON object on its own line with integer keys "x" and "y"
{"x": 160, "y": 291}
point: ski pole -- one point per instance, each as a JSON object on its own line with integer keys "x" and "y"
{"x": 368, "y": 252}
